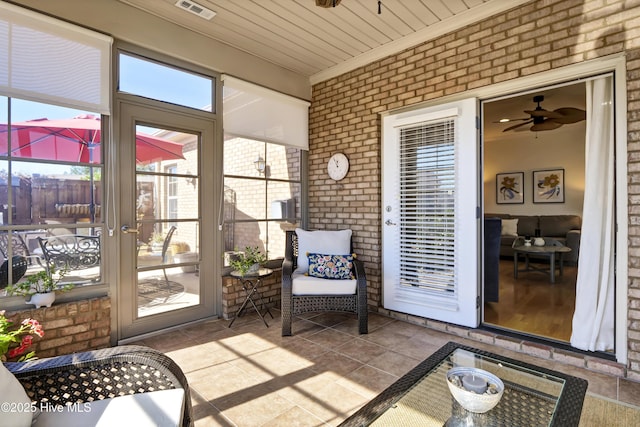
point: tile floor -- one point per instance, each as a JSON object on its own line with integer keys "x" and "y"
{"x": 249, "y": 375}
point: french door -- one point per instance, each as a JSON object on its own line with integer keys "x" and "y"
{"x": 430, "y": 213}
{"x": 164, "y": 236}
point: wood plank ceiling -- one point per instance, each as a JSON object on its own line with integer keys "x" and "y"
{"x": 324, "y": 42}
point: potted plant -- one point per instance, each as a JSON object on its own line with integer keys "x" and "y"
{"x": 14, "y": 341}
{"x": 41, "y": 286}
{"x": 182, "y": 254}
{"x": 248, "y": 261}
{"x": 155, "y": 242}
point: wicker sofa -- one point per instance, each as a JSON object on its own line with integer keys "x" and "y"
{"x": 563, "y": 228}
{"x": 73, "y": 380}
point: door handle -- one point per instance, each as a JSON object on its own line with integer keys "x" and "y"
{"x": 388, "y": 222}
{"x": 128, "y": 230}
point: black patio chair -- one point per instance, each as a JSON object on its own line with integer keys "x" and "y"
{"x": 100, "y": 374}
{"x": 292, "y": 304}
{"x": 19, "y": 265}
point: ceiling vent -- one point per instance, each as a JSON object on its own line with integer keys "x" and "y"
{"x": 196, "y": 9}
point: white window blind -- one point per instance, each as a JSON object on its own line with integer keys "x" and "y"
{"x": 255, "y": 112}
{"x": 427, "y": 207}
{"x": 47, "y": 60}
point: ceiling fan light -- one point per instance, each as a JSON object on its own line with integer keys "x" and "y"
{"x": 504, "y": 120}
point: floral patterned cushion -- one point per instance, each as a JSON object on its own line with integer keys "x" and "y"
{"x": 331, "y": 266}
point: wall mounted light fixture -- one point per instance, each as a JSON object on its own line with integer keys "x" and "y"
{"x": 191, "y": 180}
{"x": 260, "y": 165}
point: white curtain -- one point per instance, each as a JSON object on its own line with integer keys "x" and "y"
{"x": 593, "y": 319}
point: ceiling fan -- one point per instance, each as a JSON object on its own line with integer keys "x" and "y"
{"x": 327, "y": 3}
{"x": 548, "y": 120}
{"x": 334, "y": 3}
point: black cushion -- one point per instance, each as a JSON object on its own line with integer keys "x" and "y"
{"x": 492, "y": 229}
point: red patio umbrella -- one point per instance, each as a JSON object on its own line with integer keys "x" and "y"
{"x": 76, "y": 140}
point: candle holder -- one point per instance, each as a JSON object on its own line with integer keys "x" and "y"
{"x": 463, "y": 383}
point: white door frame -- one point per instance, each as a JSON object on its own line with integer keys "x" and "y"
{"x": 612, "y": 63}
{"x": 458, "y": 303}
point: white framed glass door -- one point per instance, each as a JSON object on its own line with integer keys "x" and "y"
{"x": 430, "y": 215}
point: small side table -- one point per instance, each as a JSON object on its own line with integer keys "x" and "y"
{"x": 250, "y": 283}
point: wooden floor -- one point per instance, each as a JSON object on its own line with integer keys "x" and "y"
{"x": 531, "y": 304}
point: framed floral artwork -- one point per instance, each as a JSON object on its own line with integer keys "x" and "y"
{"x": 509, "y": 188}
{"x": 548, "y": 186}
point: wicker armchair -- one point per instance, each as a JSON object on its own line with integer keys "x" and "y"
{"x": 101, "y": 374}
{"x": 297, "y": 304}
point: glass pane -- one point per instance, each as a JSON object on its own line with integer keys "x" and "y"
{"x": 166, "y": 151}
{"x": 283, "y": 162}
{"x": 167, "y": 194}
{"x": 167, "y": 181}
{"x": 51, "y": 186}
{"x": 249, "y": 196}
{"x": 79, "y": 254}
{"x": 284, "y": 200}
{"x": 45, "y": 193}
{"x": 168, "y": 266}
{"x": 250, "y": 234}
{"x": 277, "y": 237}
{"x": 4, "y": 110}
{"x": 243, "y": 156}
{"x": 48, "y": 132}
{"x": 149, "y": 79}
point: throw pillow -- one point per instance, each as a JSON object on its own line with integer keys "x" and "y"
{"x": 321, "y": 242}
{"x": 12, "y": 394}
{"x": 509, "y": 227}
{"x": 331, "y": 266}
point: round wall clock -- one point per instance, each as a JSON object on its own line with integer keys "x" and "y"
{"x": 338, "y": 166}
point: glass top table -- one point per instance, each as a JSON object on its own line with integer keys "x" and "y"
{"x": 533, "y": 396}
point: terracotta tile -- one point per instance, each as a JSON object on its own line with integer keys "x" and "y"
{"x": 335, "y": 362}
{"x": 330, "y": 338}
{"x": 304, "y": 384}
{"x": 205, "y": 414}
{"x": 361, "y": 350}
{"x": 304, "y": 347}
{"x": 302, "y": 327}
{"x": 254, "y": 406}
{"x": 200, "y": 356}
{"x": 332, "y": 402}
{"x": 386, "y": 336}
{"x": 204, "y": 329}
{"x": 295, "y": 417}
{"x": 167, "y": 342}
{"x": 367, "y": 381}
{"x": 394, "y": 363}
{"x": 221, "y": 382}
{"x": 330, "y": 319}
{"x": 273, "y": 362}
{"x": 349, "y": 326}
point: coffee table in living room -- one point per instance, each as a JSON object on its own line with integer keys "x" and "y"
{"x": 552, "y": 249}
{"x": 533, "y": 396}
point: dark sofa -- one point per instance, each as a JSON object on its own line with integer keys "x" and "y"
{"x": 563, "y": 228}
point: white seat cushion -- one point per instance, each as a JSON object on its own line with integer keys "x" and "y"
{"x": 308, "y": 285}
{"x": 156, "y": 408}
{"x": 18, "y": 412}
{"x": 328, "y": 242}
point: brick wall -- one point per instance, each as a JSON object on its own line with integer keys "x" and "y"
{"x": 69, "y": 327}
{"x": 537, "y": 37}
